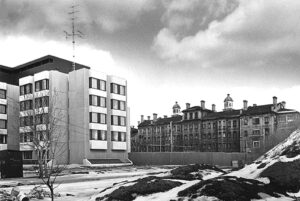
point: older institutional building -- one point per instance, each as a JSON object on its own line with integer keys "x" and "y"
{"x": 250, "y": 129}
{"x": 88, "y": 108}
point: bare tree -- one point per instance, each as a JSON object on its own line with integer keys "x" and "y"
{"x": 46, "y": 126}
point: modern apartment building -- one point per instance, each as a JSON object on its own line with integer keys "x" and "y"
{"x": 87, "y": 109}
{"x": 250, "y": 129}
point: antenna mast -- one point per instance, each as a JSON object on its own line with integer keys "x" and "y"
{"x": 74, "y": 33}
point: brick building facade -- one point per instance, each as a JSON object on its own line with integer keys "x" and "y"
{"x": 255, "y": 128}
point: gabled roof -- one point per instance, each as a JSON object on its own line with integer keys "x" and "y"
{"x": 161, "y": 121}
{"x": 259, "y": 109}
{"x": 195, "y": 108}
{"x": 223, "y": 114}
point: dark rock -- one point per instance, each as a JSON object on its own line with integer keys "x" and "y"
{"x": 262, "y": 165}
{"x": 291, "y": 151}
{"x": 144, "y": 186}
{"x": 184, "y": 172}
{"x": 284, "y": 175}
{"x": 231, "y": 188}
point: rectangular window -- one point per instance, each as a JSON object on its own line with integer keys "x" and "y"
{"x": 245, "y": 121}
{"x": 2, "y": 94}
{"x": 2, "y": 109}
{"x": 118, "y": 120}
{"x": 3, "y": 139}
{"x": 98, "y": 135}
{"x": 41, "y": 119}
{"x": 26, "y": 137}
{"x": 256, "y": 144}
{"x": 42, "y": 102}
{"x": 42, "y": 85}
{"x": 267, "y": 131}
{"x": 97, "y": 101}
{"x": 3, "y": 124}
{"x": 97, "y": 84}
{"x": 255, "y": 121}
{"x": 97, "y": 118}
{"x": 256, "y": 132}
{"x": 27, "y": 155}
{"x": 266, "y": 120}
{"x": 234, "y": 123}
{"x": 114, "y": 104}
{"x": 117, "y": 89}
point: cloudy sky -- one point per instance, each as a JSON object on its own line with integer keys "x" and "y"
{"x": 168, "y": 50}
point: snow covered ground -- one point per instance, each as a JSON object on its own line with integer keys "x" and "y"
{"x": 85, "y": 186}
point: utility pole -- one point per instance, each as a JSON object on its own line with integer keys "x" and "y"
{"x": 171, "y": 143}
{"x": 74, "y": 32}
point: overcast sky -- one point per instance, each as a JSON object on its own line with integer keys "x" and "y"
{"x": 168, "y": 50}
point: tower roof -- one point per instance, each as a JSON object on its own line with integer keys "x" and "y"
{"x": 228, "y": 98}
{"x": 176, "y": 105}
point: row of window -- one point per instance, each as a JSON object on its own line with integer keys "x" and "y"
{"x": 118, "y": 105}
{"x": 39, "y": 119}
{"x": 39, "y": 102}
{"x": 117, "y": 89}
{"x": 2, "y": 94}
{"x": 97, "y": 101}
{"x": 28, "y": 136}
{"x": 256, "y": 121}
{"x": 101, "y": 119}
{"x": 95, "y": 83}
{"x": 101, "y": 102}
{"x": 118, "y": 120}
{"x": 39, "y": 86}
{"x": 102, "y": 135}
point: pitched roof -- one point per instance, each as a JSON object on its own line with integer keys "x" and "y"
{"x": 161, "y": 121}
{"x": 259, "y": 109}
{"x": 223, "y": 114}
{"x": 195, "y": 108}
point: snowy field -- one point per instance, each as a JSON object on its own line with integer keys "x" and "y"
{"x": 275, "y": 176}
{"x": 81, "y": 187}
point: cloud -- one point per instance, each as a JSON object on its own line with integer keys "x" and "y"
{"x": 255, "y": 33}
{"x": 19, "y": 45}
{"x": 50, "y": 17}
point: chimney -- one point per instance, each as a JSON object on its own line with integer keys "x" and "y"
{"x": 203, "y": 104}
{"x": 188, "y": 105}
{"x": 148, "y": 117}
{"x": 142, "y": 118}
{"x": 139, "y": 122}
{"x": 154, "y": 116}
{"x": 254, "y": 105}
{"x": 245, "y": 105}
{"x": 165, "y": 116}
{"x": 213, "y": 107}
{"x": 283, "y": 104}
{"x": 274, "y": 100}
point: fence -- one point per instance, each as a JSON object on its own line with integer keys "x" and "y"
{"x": 184, "y": 158}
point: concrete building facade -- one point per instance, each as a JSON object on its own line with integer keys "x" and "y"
{"x": 89, "y": 109}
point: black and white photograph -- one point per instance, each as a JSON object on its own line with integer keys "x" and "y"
{"x": 149, "y": 100}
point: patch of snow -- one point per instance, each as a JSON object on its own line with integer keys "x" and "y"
{"x": 212, "y": 175}
{"x": 266, "y": 197}
{"x": 271, "y": 157}
{"x": 294, "y": 194}
{"x": 171, "y": 194}
{"x": 264, "y": 180}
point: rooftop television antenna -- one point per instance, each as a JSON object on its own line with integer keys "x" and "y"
{"x": 75, "y": 33}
